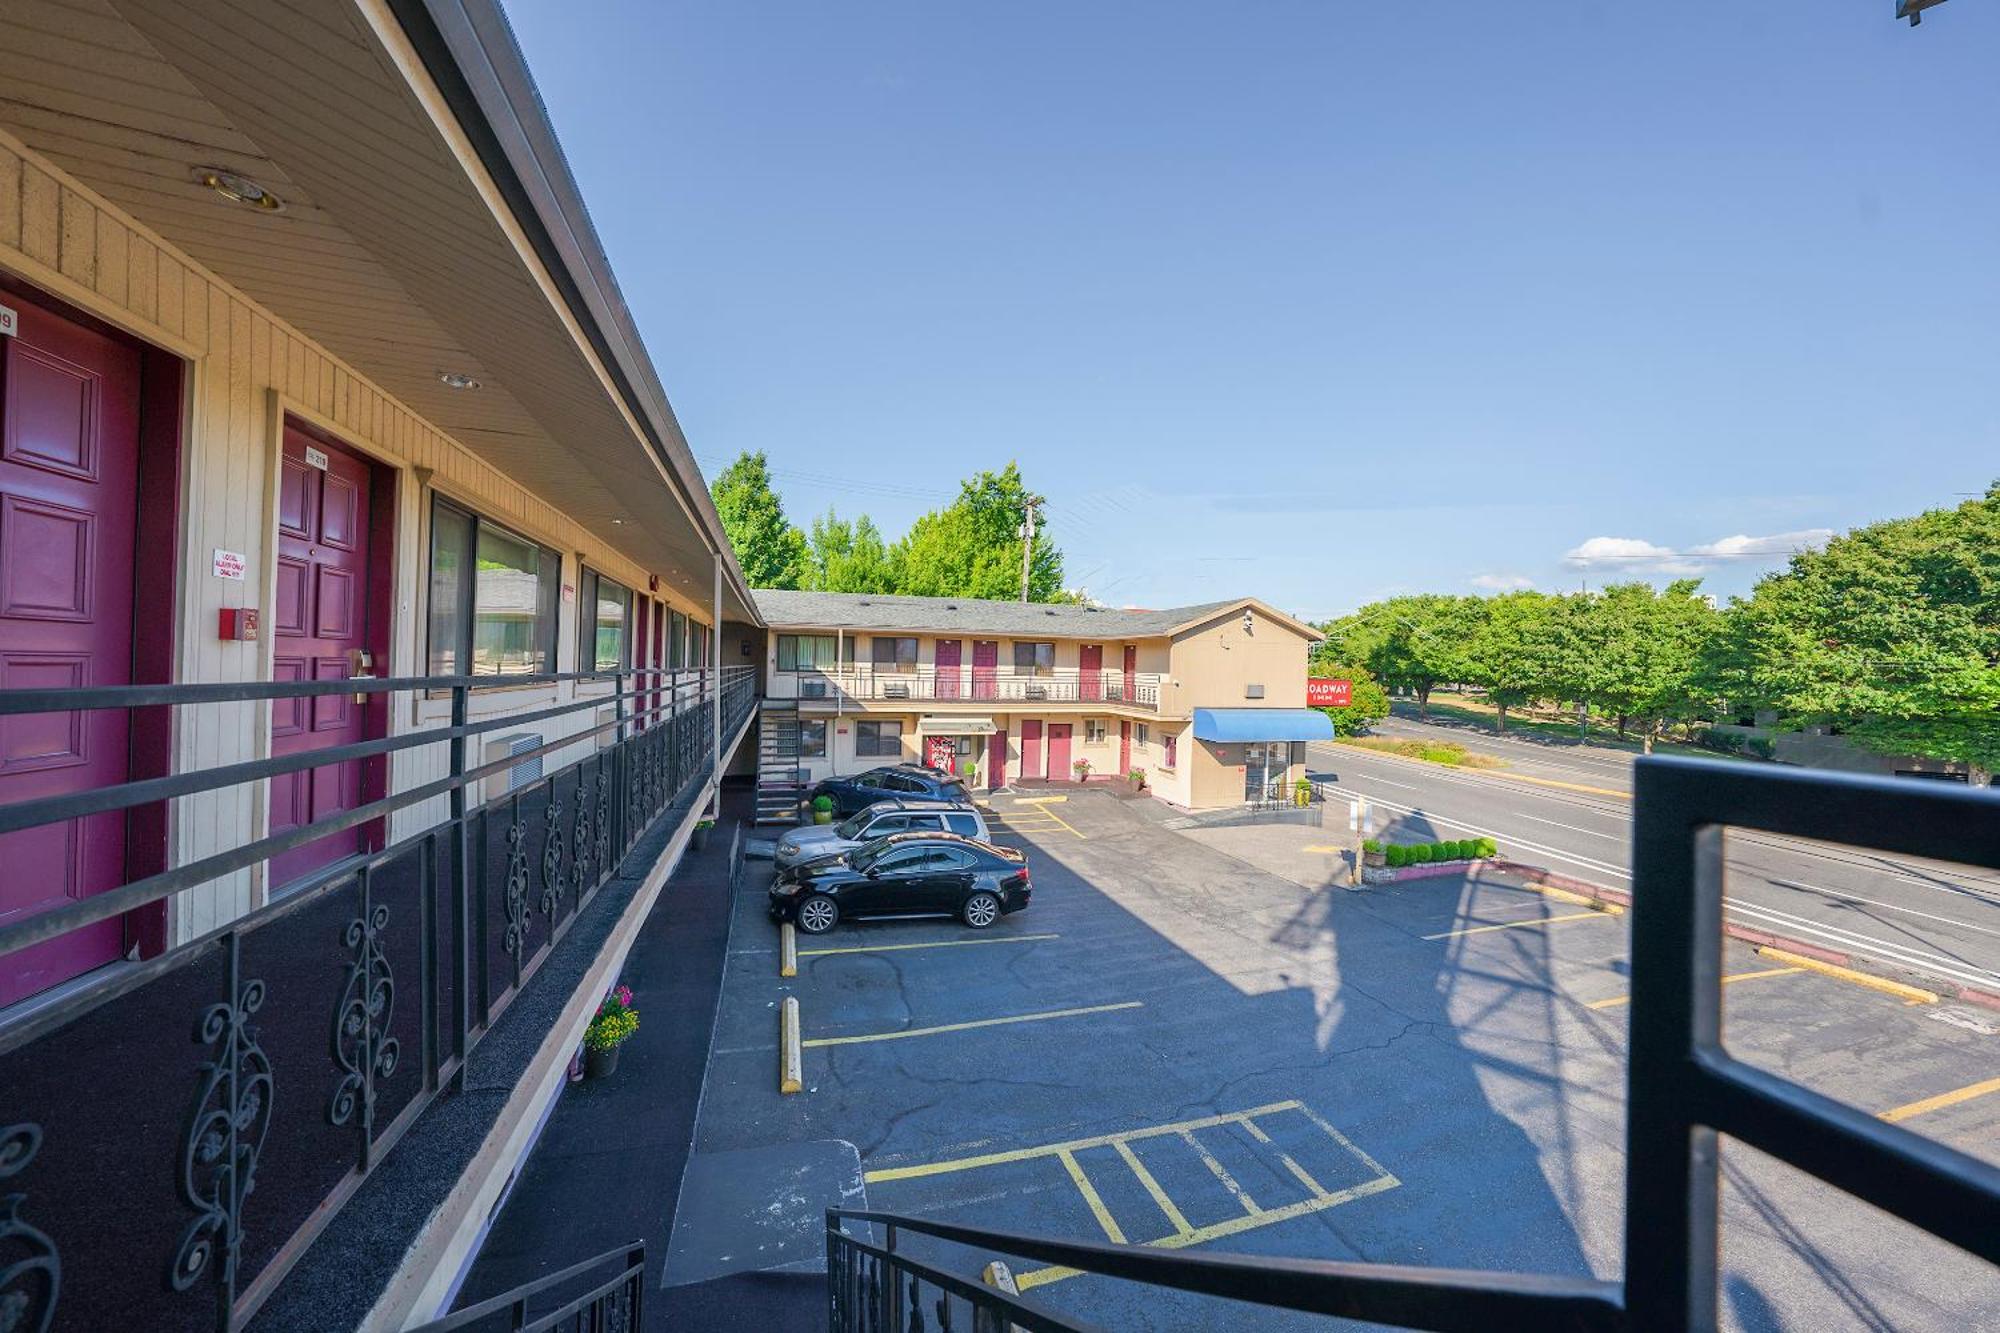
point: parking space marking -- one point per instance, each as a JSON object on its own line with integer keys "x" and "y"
{"x": 1908, "y": 994}
{"x": 1617, "y": 1000}
{"x": 933, "y": 944}
{"x": 902, "y": 1033}
{"x": 1040, "y": 800}
{"x": 1942, "y": 1100}
{"x": 1522, "y": 925}
{"x": 1183, "y": 1233}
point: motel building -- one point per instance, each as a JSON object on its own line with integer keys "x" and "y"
{"x": 1209, "y": 701}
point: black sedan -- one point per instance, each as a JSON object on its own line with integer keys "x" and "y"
{"x": 855, "y": 792}
{"x": 905, "y": 874}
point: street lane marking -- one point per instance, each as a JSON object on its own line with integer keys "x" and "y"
{"x": 1484, "y": 773}
{"x": 1175, "y": 1218}
{"x": 1942, "y": 1100}
{"x": 1603, "y": 915}
{"x": 1554, "y": 823}
{"x": 1842, "y": 896}
{"x": 934, "y": 944}
{"x": 1917, "y": 960}
{"x": 1912, "y": 994}
{"x": 1091, "y": 1197}
{"x": 1505, "y": 840}
{"x": 976, "y": 1023}
{"x": 1618, "y": 1000}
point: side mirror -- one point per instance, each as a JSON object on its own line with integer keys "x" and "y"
{"x": 874, "y": 872}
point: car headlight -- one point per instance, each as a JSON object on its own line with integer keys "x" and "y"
{"x": 788, "y": 847}
{"x": 785, "y": 888}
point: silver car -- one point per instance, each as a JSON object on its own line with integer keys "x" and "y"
{"x": 878, "y": 820}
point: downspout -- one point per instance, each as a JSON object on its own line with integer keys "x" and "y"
{"x": 839, "y": 701}
{"x": 715, "y": 711}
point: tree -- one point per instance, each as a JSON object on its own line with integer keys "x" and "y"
{"x": 1514, "y": 653}
{"x": 1891, "y": 633}
{"x": 972, "y": 547}
{"x": 1413, "y": 643}
{"x": 1370, "y": 702}
{"x": 848, "y": 557}
{"x": 770, "y": 549}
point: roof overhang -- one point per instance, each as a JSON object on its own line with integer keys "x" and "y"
{"x": 1230, "y": 725}
{"x": 1265, "y": 609}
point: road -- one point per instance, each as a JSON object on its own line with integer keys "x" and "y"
{"x": 1569, "y": 808}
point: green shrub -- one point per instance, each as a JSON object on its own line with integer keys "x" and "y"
{"x": 1396, "y": 856}
{"x": 822, "y": 803}
{"x": 1465, "y": 849}
{"x": 1440, "y": 851}
{"x": 1422, "y": 853}
{"x": 1485, "y": 847}
{"x": 1370, "y": 845}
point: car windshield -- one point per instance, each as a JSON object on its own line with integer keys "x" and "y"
{"x": 864, "y": 857}
{"x": 850, "y": 828}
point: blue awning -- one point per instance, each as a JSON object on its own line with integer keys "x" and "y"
{"x": 1262, "y": 724}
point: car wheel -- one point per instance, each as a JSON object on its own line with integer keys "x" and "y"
{"x": 818, "y": 914}
{"x": 980, "y": 911}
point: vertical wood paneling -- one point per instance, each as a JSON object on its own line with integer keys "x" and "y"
{"x": 78, "y": 242}
{"x": 10, "y": 197}
{"x": 41, "y": 215}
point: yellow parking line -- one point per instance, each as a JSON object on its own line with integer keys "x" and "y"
{"x": 1221, "y": 1173}
{"x": 1324, "y": 847}
{"x": 1091, "y": 1197}
{"x": 1617, "y": 1000}
{"x": 1910, "y": 994}
{"x": 1285, "y": 1157}
{"x": 977, "y": 1023}
{"x": 1065, "y": 823}
{"x": 1521, "y": 925}
{"x": 1040, "y": 800}
{"x": 1942, "y": 1100}
{"x": 1175, "y": 1218}
{"x": 934, "y": 944}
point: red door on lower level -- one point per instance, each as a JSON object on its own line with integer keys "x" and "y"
{"x": 324, "y": 624}
{"x": 69, "y": 473}
{"x": 1031, "y": 749}
{"x": 947, "y": 668}
{"x": 996, "y": 760}
{"x": 1059, "y": 751}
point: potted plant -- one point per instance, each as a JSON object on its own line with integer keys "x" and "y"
{"x": 1302, "y": 792}
{"x": 701, "y": 834}
{"x": 615, "y": 1022}
{"x": 1082, "y": 770}
{"x": 969, "y": 770}
{"x": 1137, "y": 777}
{"x": 1372, "y": 854}
{"x": 822, "y": 809}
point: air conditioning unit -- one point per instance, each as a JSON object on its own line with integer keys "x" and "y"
{"x": 520, "y": 775}
{"x": 1253, "y": 691}
{"x": 812, "y": 689}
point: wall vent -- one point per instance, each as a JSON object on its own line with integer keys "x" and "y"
{"x": 519, "y": 775}
{"x": 1253, "y": 691}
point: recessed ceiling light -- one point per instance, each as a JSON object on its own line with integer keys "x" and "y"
{"x": 457, "y": 379}
{"x": 239, "y": 189}
{"x": 617, "y": 522}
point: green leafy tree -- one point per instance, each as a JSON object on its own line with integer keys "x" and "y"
{"x": 1411, "y": 643}
{"x": 848, "y": 557}
{"x": 1632, "y": 651}
{"x": 770, "y": 549}
{"x": 1370, "y": 701}
{"x": 972, "y": 547}
{"x": 1514, "y": 654}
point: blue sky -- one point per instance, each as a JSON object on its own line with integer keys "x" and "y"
{"x": 1316, "y": 301}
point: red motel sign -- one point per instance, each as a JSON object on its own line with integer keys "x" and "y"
{"x": 1323, "y": 693}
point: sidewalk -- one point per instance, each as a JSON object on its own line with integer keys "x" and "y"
{"x": 608, "y": 1168}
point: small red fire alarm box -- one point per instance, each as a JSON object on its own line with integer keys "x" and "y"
{"x": 239, "y": 623}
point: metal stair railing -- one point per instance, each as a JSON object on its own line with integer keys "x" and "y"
{"x": 612, "y": 1303}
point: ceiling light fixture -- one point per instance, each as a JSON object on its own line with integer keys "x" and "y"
{"x": 617, "y": 522}
{"x": 239, "y": 189}
{"x": 457, "y": 379}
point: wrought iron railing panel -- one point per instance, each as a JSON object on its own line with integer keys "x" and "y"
{"x": 612, "y": 1303}
{"x": 175, "y": 1132}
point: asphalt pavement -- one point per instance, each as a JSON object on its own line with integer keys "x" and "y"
{"x": 1569, "y": 808}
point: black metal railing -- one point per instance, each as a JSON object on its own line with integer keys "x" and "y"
{"x": 980, "y": 685}
{"x": 175, "y": 1130}
{"x": 611, "y": 1305}
{"x": 1684, "y": 1091}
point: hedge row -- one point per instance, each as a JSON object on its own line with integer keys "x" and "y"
{"x": 1427, "y": 853}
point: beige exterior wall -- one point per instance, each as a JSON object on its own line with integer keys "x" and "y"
{"x": 246, "y": 370}
{"x": 1215, "y": 661}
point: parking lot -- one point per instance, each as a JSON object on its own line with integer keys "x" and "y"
{"x": 1192, "y": 1040}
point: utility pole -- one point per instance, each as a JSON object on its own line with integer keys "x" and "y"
{"x": 1028, "y": 541}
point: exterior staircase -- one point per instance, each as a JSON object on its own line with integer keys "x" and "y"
{"x": 779, "y": 789}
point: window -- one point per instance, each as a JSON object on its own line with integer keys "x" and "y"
{"x": 1169, "y": 746}
{"x": 964, "y": 824}
{"x": 812, "y": 740}
{"x": 1140, "y": 733}
{"x": 1034, "y": 659}
{"x": 806, "y": 652}
{"x": 605, "y": 607}
{"x": 494, "y": 598}
{"x": 876, "y": 739}
{"x": 893, "y": 654}
{"x": 897, "y": 782}
{"x": 677, "y": 628}
{"x": 1093, "y": 731}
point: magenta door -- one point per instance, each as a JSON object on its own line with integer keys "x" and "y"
{"x": 1131, "y": 672}
{"x": 996, "y": 759}
{"x": 985, "y": 664}
{"x": 1031, "y": 749}
{"x": 1090, "y": 671}
{"x": 947, "y": 668}
{"x": 320, "y": 624}
{"x": 1124, "y": 747}
{"x": 69, "y": 469}
{"x": 1058, "y": 751}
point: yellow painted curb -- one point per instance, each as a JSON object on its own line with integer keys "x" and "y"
{"x": 788, "y": 950}
{"x": 791, "y": 1077}
{"x": 1912, "y": 994}
{"x": 1040, "y": 800}
{"x": 1579, "y": 899}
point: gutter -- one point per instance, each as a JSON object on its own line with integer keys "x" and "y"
{"x": 469, "y": 51}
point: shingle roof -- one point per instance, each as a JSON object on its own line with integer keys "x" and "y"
{"x": 869, "y": 611}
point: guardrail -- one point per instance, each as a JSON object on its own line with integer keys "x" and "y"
{"x": 616, "y": 1302}
{"x": 978, "y": 685}
{"x": 175, "y": 1130}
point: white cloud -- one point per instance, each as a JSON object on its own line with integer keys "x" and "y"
{"x": 1638, "y": 556}
{"x": 1501, "y": 582}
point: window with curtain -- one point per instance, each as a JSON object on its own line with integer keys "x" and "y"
{"x": 677, "y": 628}
{"x": 495, "y": 598}
{"x": 812, "y": 740}
{"x": 605, "y": 623}
{"x": 806, "y": 652}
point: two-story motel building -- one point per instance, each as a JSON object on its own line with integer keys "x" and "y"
{"x": 1207, "y": 700}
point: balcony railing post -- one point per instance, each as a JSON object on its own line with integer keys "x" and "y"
{"x": 461, "y": 882}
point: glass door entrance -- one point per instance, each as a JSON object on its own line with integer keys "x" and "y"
{"x": 1265, "y": 764}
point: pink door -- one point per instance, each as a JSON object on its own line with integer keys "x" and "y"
{"x": 985, "y": 665}
{"x": 996, "y": 759}
{"x": 320, "y": 624}
{"x": 947, "y": 668}
{"x": 1090, "y": 671}
{"x": 1131, "y": 673}
{"x": 69, "y": 468}
{"x": 1031, "y": 749}
{"x": 1124, "y": 747}
{"x": 1059, "y": 752}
